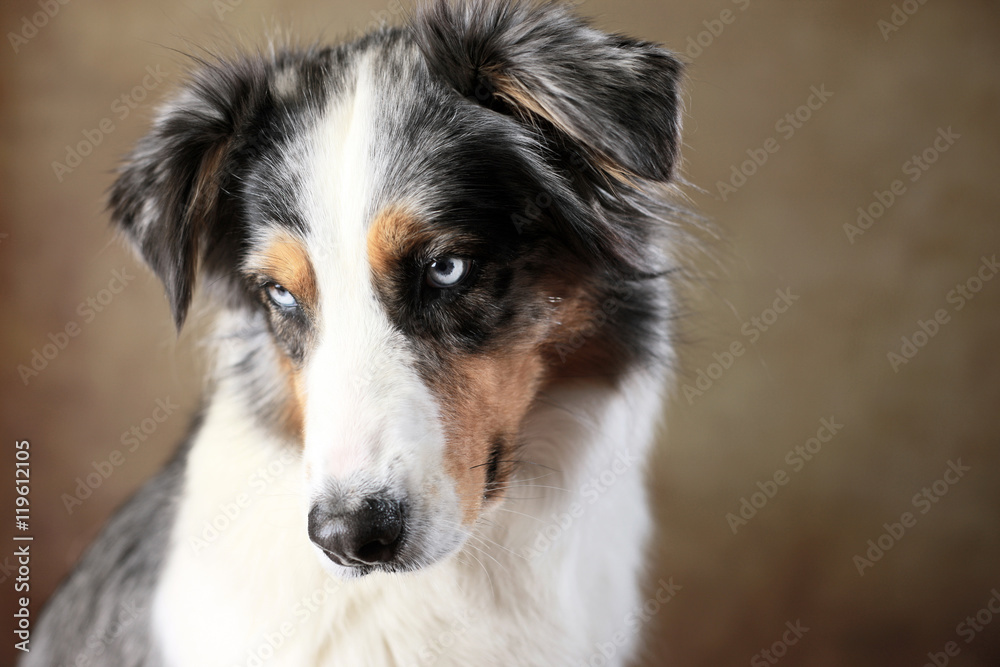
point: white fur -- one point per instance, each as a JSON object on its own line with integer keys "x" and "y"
{"x": 522, "y": 591}
{"x": 371, "y": 425}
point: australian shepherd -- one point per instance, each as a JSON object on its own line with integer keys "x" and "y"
{"x": 440, "y": 265}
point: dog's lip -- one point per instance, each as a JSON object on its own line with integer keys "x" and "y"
{"x": 360, "y": 571}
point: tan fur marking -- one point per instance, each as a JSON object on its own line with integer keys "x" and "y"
{"x": 285, "y": 260}
{"x": 578, "y": 347}
{"x": 293, "y": 411}
{"x": 484, "y": 398}
{"x": 206, "y": 182}
{"x": 393, "y": 234}
{"x": 515, "y": 93}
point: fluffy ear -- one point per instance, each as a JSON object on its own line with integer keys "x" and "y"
{"x": 614, "y": 97}
{"x": 170, "y": 197}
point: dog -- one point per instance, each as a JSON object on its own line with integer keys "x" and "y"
{"x": 440, "y": 260}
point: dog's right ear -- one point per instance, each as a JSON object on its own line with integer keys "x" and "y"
{"x": 170, "y": 198}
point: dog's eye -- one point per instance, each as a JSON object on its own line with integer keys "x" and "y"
{"x": 447, "y": 272}
{"x": 281, "y": 297}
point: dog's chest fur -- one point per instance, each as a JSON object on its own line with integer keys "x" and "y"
{"x": 536, "y": 585}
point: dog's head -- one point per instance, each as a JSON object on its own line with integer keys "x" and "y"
{"x": 419, "y": 232}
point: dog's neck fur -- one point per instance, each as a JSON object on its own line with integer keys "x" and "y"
{"x": 553, "y": 566}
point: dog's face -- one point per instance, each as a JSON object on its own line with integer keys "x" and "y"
{"x": 419, "y": 231}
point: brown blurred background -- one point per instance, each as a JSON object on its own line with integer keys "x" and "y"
{"x": 888, "y": 90}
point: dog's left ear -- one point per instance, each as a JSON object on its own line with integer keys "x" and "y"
{"x": 170, "y": 198}
{"x": 614, "y": 97}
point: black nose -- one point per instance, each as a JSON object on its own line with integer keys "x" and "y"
{"x": 366, "y": 534}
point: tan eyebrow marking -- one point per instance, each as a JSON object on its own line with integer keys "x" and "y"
{"x": 394, "y": 233}
{"x": 284, "y": 258}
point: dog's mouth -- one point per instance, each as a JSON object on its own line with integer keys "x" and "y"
{"x": 359, "y": 571}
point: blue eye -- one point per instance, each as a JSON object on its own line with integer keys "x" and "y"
{"x": 447, "y": 272}
{"x": 281, "y": 297}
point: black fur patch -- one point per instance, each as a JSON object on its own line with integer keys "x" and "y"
{"x": 182, "y": 194}
{"x": 616, "y": 97}
{"x": 493, "y": 470}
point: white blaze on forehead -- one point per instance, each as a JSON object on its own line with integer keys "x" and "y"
{"x": 365, "y": 407}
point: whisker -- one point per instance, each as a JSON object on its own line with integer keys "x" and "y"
{"x": 487, "y": 541}
{"x": 488, "y": 555}
{"x": 524, "y": 461}
{"x": 531, "y": 479}
{"x": 517, "y": 485}
{"x": 507, "y": 509}
{"x": 489, "y": 579}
